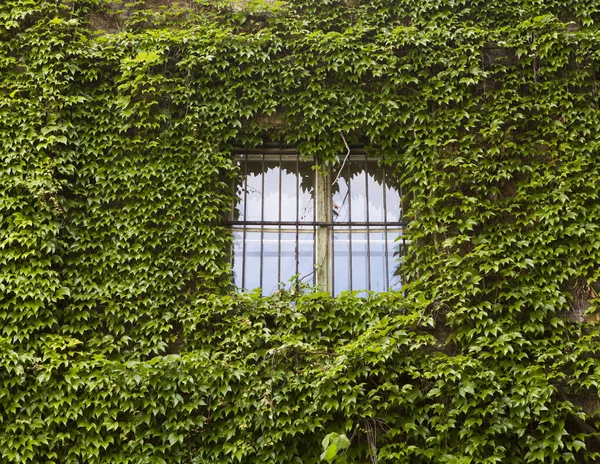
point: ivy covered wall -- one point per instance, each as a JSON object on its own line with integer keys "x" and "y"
{"x": 121, "y": 337}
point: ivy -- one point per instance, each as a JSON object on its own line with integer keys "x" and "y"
{"x": 122, "y": 338}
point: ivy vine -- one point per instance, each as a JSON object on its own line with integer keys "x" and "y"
{"x": 121, "y": 336}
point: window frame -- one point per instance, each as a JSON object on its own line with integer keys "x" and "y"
{"x": 323, "y": 224}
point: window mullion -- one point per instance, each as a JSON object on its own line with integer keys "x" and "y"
{"x": 350, "y": 232}
{"x": 323, "y": 232}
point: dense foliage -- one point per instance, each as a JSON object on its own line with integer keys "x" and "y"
{"x": 121, "y": 338}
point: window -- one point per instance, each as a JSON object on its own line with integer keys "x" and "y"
{"x": 337, "y": 230}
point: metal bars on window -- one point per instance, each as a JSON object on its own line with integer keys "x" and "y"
{"x": 288, "y": 220}
{"x": 367, "y": 227}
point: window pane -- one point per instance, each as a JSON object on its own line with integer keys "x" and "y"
{"x": 270, "y": 262}
{"x": 240, "y": 200}
{"x": 341, "y": 260}
{"x": 375, "y": 192}
{"x": 358, "y": 192}
{"x": 351, "y": 271}
{"x": 271, "y": 190}
{"x": 359, "y": 260}
{"x": 340, "y": 201}
{"x": 392, "y": 199}
{"x": 288, "y": 256}
{"x": 289, "y": 188}
{"x": 396, "y": 251}
{"x": 378, "y": 262}
{"x": 253, "y": 191}
{"x": 252, "y": 268}
{"x": 306, "y": 260}
{"x": 355, "y": 186}
{"x": 238, "y": 257}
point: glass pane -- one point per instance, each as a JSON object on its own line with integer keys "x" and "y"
{"x": 306, "y": 204}
{"x": 341, "y": 260}
{"x": 238, "y": 259}
{"x": 378, "y": 262}
{"x": 289, "y": 187}
{"x": 239, "y": 201}
{"x": 280, "y": 183}
{"x": 359, "y": 261}
{"x": 396, "y": 251}
{"x": 358, "y": 195}
{"x": 271, "y": 190}
{"x": 306, "y": 261}
{"x": 252, "y": 269}
{"x": 274, "y": 188}
{"x": 253, "y": 192}
{"x": 352, "y": 206}
{"x": 375, "y": 192}
{"x": 392, "y": 199}
{"x": 350, "y": 271}
{"x": 270, "y": 263}
{"x": 288, "y": 256}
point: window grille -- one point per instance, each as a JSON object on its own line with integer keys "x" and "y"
{"x": 288, "y": 219}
